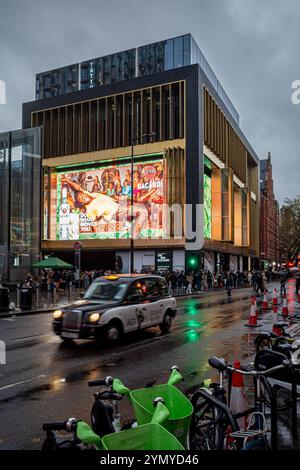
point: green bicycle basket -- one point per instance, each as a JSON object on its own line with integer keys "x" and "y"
{"x": 146, "y": 437}
{"x": 179, "y": 406}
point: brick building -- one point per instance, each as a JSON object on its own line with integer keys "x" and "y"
{"x": 269, "y": 215}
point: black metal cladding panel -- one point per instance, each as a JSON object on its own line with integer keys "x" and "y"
{"x": 161, "y": 78}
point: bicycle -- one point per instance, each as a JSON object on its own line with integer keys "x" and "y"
{"x": 150, "y": 436}
{"x": 215, "y": 427}
{"x": 272, "y": 340}
{"x": 105, "y": 417}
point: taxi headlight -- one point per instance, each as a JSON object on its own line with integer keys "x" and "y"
{"x": 94, "y": 317}
{"x": 57, "y": 314}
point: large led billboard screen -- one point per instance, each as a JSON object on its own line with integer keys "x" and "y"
{"x": 95, "y": 202}
{"x": 207, "y": 198}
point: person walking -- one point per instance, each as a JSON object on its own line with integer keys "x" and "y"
{"x": 189, "y": 279}
{"x": 228, "y": 280}
{"x": 283, "y": 279}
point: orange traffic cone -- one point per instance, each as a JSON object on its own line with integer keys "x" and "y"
{"x": 252, "y": 322}
{"x": 285, "y": 310}
{"x": 265, "y": 305}
{"x": 276, "y": 329}
{"x": 238, "y": 402}
{"x": 275, "y": 297}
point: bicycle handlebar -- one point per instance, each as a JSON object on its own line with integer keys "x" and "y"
{"x": 67, "y": 425}
{"x": 58, "y": 426}
{"x": 101, "y": 382}
{"x": 221, "y": 365}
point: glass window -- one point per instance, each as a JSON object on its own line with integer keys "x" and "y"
{"x": 107, "y": 70}
{"x": 142, "y": 61}
{"x": 178, "y": 52}
{"x": 151, "y": 289}
{"x": 160, "y": 57}
{"x": 163, "y": 289}
{"x": 187, "y": 50}
{"x": 135, "y": 291}
{"x": 169, "y": 54}
{"x": 114, "y": 68}
{"x": 106, "y": 291}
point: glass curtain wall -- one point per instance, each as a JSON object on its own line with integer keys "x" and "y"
{"x": 4, "y": 200}
{"x": 20, "y": 179}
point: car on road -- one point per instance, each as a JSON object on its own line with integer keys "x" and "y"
{"x": 117, "y": 304}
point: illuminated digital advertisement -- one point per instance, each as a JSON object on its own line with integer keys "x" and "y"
{"x": 94, "y": 203}
{"x": 207, "y": 198}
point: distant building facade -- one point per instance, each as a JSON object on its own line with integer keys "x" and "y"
{"x": 269, "y": 216}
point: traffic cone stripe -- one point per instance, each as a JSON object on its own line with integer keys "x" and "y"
{"x": 238, "y": 402}
{"x": 285, "y": 310}
{"x": 265, "y": 301}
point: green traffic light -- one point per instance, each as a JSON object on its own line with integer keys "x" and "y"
{"x": 192, "y": 261}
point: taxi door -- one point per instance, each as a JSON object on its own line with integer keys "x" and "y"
{"x": 137, "y": 312}
{"x": 152, "y": 302}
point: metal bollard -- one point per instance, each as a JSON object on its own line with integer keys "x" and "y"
{"x": 18, "y": 296}
{"x": 70, "y": 291}
{"x": 54, "y": 294}
{"x": 37, "y": 298}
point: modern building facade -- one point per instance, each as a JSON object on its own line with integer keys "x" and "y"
{"x": 20, "y": 190}
{"x": 269, "y": 217}
{"x": 193, "y": 154}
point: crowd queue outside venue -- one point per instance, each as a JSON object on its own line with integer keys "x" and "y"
{"x": 180, "y": 282}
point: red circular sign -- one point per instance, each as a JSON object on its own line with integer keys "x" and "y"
{"x": 77, "y": 245}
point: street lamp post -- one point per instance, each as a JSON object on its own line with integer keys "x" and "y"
{"x": 133, "y": 140}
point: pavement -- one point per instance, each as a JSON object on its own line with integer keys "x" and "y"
{"x": 47, "y": 302}
{"x": 43, "y": 380}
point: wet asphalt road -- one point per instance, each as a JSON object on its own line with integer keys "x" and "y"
{"x": 44, "y": 380}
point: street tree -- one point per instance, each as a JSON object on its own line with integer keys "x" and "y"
{"x": 290, "y": 228}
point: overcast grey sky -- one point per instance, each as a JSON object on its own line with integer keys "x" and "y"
{"x": 252, "y": 45}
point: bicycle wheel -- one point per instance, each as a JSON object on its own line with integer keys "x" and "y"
{"x": 210, "y": 423}
{"x": 281, "y": 395}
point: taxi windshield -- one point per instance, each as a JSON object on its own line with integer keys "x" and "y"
{"x": 106, "y": 291}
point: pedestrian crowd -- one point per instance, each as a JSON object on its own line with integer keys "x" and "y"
{"x": 179, "y": 281}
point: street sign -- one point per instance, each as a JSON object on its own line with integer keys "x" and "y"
{"x": 77, "y": 245}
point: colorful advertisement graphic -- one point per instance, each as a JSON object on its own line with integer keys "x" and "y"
{"x": 95, "y": 202}
{"x": 207, "y": 206}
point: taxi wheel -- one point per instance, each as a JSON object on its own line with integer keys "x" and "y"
{"x": 113, "y": 332}
{"x": 166, "y": 323}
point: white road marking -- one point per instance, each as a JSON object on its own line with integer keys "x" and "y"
{"x": 25, "y": 338}
{"x": 22, "y": 382}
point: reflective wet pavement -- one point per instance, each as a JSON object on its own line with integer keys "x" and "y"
{"x": 46, "y": 381}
